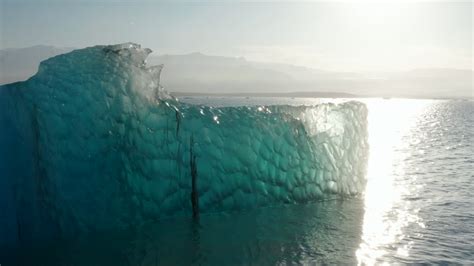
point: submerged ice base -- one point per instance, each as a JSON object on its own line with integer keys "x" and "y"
{"x": 92, "y": 142}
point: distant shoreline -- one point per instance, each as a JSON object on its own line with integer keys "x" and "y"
{"x": 278, "y": 94}
{"x": 305, "y": 95}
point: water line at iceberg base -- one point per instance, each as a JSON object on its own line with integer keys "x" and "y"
{"x": 94, "y": 143}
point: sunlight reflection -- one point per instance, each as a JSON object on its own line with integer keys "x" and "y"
{"x": 386, "y": 214}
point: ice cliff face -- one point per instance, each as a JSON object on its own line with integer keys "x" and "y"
{"x": 91, "y": 142}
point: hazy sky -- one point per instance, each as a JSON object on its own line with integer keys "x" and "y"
{"x": 347, "y": 36}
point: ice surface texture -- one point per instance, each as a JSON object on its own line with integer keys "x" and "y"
{"x": 92, "y": 142}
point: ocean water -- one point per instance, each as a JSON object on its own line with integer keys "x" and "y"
{"x": 418, "y": 205}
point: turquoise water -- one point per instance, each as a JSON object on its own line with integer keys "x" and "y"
{"x": 417, "y": 206}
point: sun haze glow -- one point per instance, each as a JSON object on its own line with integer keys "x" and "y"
{"x": 343, "y": 36}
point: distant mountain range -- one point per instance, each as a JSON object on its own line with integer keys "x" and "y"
{"x": 22, "y": 63}
{"x": 199, "y": 74}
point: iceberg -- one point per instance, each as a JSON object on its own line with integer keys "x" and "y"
{"x": 93, "y": 142}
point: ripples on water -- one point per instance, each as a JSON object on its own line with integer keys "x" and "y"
{"x": 438, "y": 174}
{"x": 418, "y": 206}
{"x": 418, "y": 202}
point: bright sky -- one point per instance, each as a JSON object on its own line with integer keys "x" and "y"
{"x": 343, "y": 36}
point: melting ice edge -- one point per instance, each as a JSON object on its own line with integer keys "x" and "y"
{"x": 92, "y": 142}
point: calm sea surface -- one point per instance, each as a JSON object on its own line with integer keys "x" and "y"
{"x": 418, "y": 205}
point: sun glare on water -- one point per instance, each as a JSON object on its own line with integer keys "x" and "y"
{"x": 386, "y": 214}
